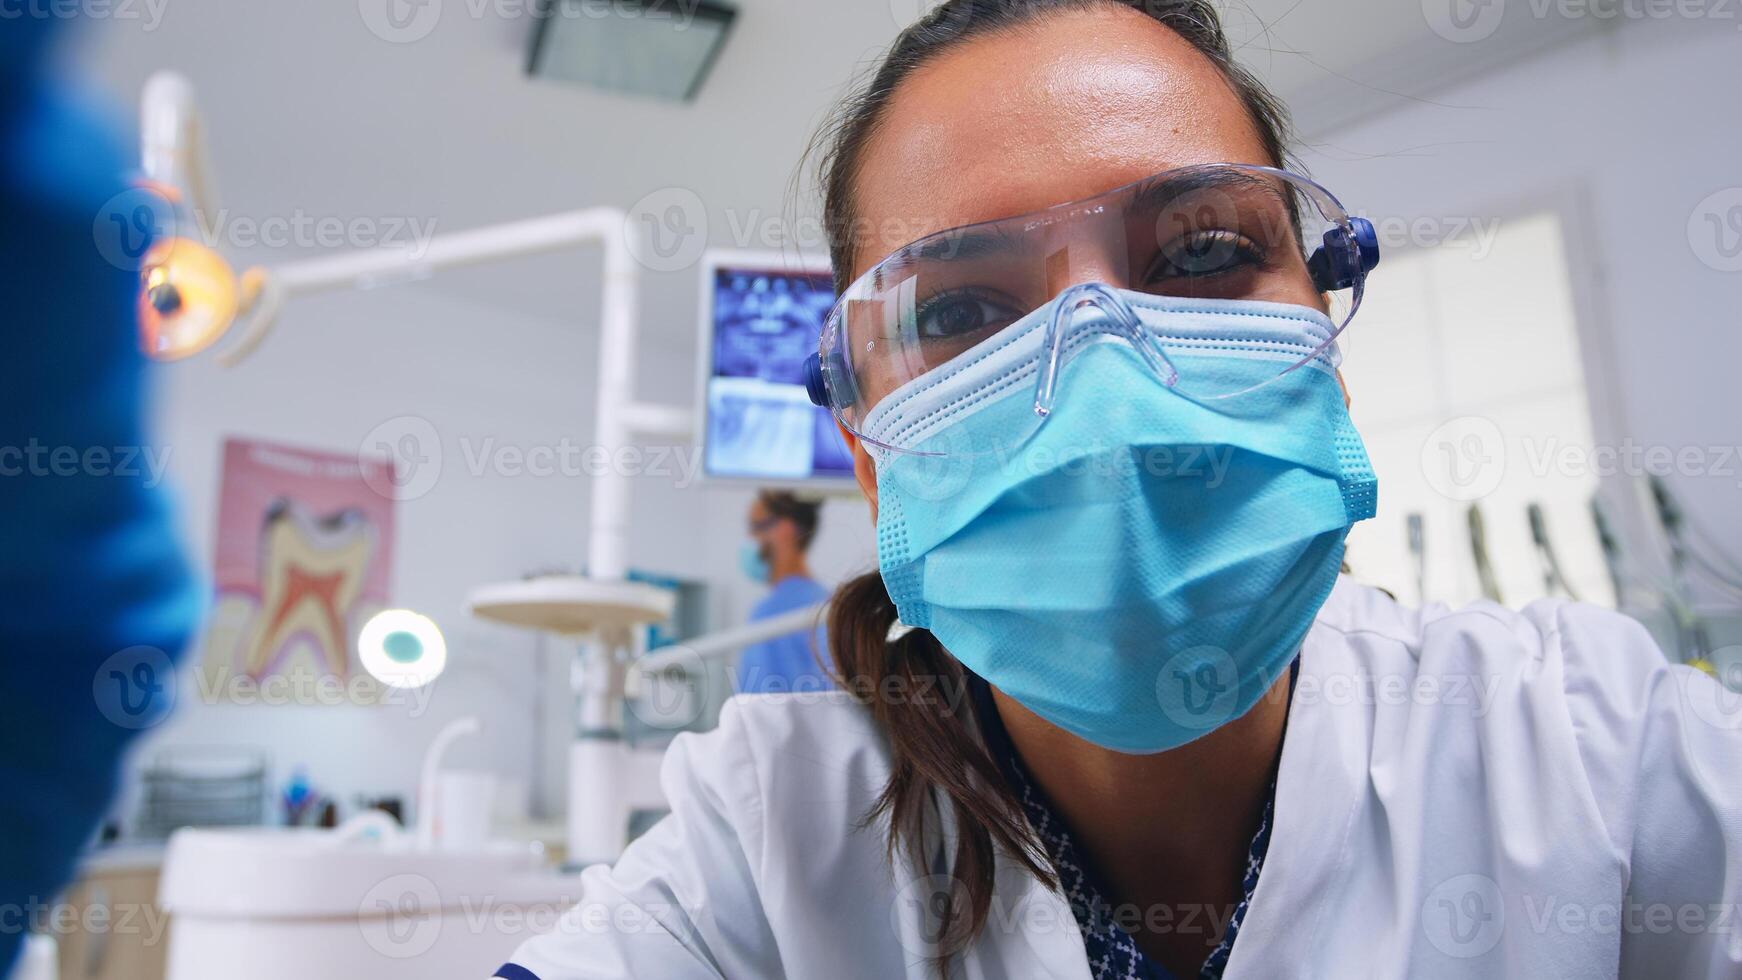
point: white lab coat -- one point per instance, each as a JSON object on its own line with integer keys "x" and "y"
{"x": 1479, "y": 793}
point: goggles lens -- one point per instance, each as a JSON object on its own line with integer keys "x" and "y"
{"x": 1215, "y": 232}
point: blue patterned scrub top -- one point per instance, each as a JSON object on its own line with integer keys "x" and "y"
{"x": 1113, "y": 953}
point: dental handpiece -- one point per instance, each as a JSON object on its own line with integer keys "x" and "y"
{"x": 1689, "y": 624}
{"x": 1611, "y": 551}
{"x": 1479, "y": 550}
{"x": 1553, "y": 576}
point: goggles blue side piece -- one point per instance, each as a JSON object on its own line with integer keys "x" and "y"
{"x": 1346, "y": 256}
{"x": 816, "y": 380}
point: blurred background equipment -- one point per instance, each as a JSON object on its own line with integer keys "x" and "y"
{"x": 1611, "y": 545}
{"x": 1418, "y": 552}
{"x": 1478, "y": 528}
{"x": 1698, "y": 634}
{"x": 364, "y": 898}
{"x": 1553, "y": 579}
{"x": 193, "y": 786}
{"x": 117, "y": 885}
{"x": 1688, "y": 560}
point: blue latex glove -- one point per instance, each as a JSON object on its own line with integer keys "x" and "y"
{"x": 95, "y": 600}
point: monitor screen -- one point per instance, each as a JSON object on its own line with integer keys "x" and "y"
{"x": 762, "y": 321}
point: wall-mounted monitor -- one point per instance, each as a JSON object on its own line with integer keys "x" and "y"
{"x": 762, "y": 314}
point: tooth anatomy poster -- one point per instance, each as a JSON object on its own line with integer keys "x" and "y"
{"x": 303, "y": 549}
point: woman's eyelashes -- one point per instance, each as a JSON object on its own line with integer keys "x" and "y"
{"x": 1185, "y": 266}
{"x": 1204, "y": 255}
{"x": 961, "y": 312}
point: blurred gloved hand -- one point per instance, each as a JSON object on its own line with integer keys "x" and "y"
{"x": 95, "y": 599}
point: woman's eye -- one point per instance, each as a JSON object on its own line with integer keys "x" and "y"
{"x": 1203, "y": 254}
{"x": 954, "y": 315}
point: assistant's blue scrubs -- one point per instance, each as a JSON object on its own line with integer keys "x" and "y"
{"x": 95, "y": 600}
{"x": 787, "y": 663}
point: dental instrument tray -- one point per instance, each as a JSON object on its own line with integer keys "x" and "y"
{"x": 199, "y": 786}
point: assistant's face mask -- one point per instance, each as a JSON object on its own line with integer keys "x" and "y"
{"x": 753, "y": 563}
{"x": 1141, "y": 568}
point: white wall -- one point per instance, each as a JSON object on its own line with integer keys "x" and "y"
{"x": 1625, "y": 134}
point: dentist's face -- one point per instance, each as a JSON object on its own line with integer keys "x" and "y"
{"x": 1059, "y": 109}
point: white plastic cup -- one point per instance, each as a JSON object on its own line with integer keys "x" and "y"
{"x": 465, "y": 804}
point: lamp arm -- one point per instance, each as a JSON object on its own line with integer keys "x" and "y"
{"x": 729, "y": 641}
{"x": 173, "y": 147}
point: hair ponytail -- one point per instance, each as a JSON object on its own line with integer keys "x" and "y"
{"x": 918, "y": 695}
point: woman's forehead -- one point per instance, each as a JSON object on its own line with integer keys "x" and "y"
{"x": 1059, "y": 110}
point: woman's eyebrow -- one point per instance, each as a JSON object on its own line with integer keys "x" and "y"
{"x": 1158, "y": 193}
{"x": 972, "y": 242}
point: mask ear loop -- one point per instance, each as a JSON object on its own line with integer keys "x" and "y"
{"x": 1125, "y": 324}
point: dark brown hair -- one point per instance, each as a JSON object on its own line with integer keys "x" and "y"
{"x": 802, "y": 513}
{"x": 937, "y": 758}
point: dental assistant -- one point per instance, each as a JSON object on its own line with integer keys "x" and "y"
{"x": 1133, "y": 725}
{"x": 782, "y": 528}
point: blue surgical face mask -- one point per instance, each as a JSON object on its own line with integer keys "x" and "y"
{"x": 1145, "y": 565}
{"x": 751, "y": 560}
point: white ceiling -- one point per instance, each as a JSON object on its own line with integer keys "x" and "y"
{"x": 311, "y": 113}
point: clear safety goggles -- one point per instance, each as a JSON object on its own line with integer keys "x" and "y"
{"x": 1214, "y": 232}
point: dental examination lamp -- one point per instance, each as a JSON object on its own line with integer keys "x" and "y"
{"x": 189, "y": 295}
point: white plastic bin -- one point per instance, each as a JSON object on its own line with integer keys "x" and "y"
{"x": 295, "y": 904}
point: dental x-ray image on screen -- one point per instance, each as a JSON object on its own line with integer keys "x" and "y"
{"x": 761, "y": 425}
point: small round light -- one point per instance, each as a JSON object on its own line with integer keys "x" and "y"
{"x": 400, "y": 648}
